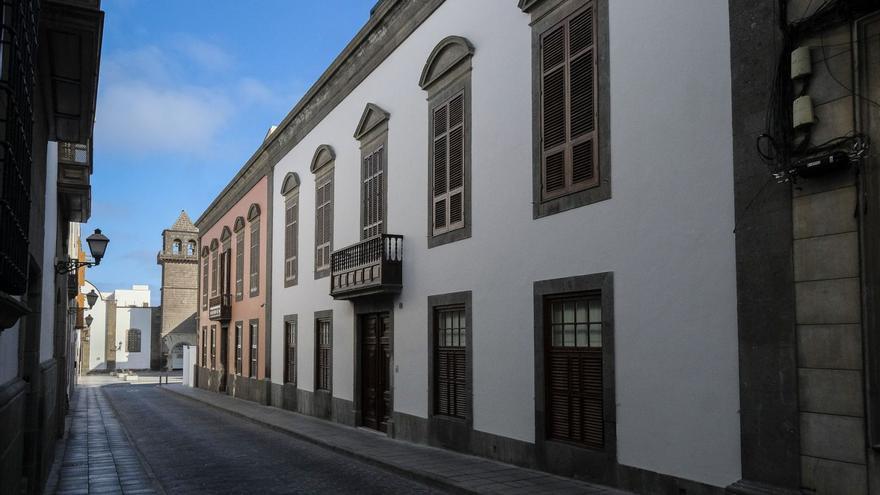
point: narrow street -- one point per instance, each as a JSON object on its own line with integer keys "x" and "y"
{"x": 193, "y": 448}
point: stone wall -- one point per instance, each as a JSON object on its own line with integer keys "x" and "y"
{"x": 827, "y": 284}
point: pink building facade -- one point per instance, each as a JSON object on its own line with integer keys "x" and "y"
{"x": 233, "y": 282}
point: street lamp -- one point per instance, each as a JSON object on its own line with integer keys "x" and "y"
{"x": 92, "y": 298}
{"x": 97, "y": 245}
{"x": 89, "y": 321}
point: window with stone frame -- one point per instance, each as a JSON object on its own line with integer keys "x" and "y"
{"x": 446, "y": 77}
{"x": 322, "y": 168}
{"x": 569, "y": 63}
{"x": 239, "y": 258}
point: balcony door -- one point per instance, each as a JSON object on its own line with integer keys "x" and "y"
{"x": 376, "y": 370}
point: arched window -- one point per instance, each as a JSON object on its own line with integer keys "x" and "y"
{"x": 175, "y": 246}
{"x": 191, "y": 248}
{"x": 134, "y": 340}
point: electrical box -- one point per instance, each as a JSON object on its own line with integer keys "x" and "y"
{"x": 801, "y": 62}
{"x": 802, "y": 112}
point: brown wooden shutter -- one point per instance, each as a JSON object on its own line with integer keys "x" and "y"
{"x": 450, "y": 368}
{"x": 371, "y": 197}
{"x": 574, "y": 370}
{"x": 239, "y": 263}
{"x": 448, "y": 168}
{"x": 568, "y": 106}
{"x": 291, "y": 214}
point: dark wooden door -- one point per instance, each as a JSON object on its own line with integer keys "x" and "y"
{"x": 376, "y": 370}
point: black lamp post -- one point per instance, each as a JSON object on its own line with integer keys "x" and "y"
{"x": 89, "y": 320}
{"x": 97, "y": 245}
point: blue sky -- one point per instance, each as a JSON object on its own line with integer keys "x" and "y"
{"x": 187, "y": 91}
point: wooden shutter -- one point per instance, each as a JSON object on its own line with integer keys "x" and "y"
{"x": 574, "y": 370}
{"x": 255, "y": 257}
{"x": 214, "y": 284}
{"x": 373, "y": 214}
{"x": 238, "y": 350}
{"x": 291, "y": 240}
{"x": 323, "y": 221}
{"x": 204, "y": 284}
{"x": 239, "y": 264}
{"x": 290, "y": 353}
{"x": 448, "y": 165}
{"x": 450, "y": 358}
{"x": 569, "y": 156}
{"x": 323, "y": 349}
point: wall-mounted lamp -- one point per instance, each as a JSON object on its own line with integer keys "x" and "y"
{"x": 89, "y": 321}
{"x": 92, "y": 298}
{"x": 97, "y": 245}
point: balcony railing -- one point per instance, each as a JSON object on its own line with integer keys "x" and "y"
{"x": 370, "y": 267}
{"x": 220, "y": 308}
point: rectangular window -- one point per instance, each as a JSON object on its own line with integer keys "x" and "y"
{"x": 214, "y": 282}
{"x": 238, "y": 349}
{"x": 372, "y": 194}
{"x": 239, "y": 264}
{"x": 204, "y": 347}
{"x": 255, "y": 258}
{"x": 323, "y": 351}
{"x": 213, "y": 347}
{"x": 291, "y": 239}
{"x": 448, "y": 157}
{"x": 450, "y": 362}
{"x": 573, "y": 339}
{"x": 134, "y": 340}
{"x": 253, "y": 337}
{"x": 569, "y": 144}
{"x": 290, "y": 352}
{"x": 323, "y": 223}
{"x": 205, "y": 283}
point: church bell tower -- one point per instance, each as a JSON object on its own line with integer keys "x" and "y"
{"x": 179, "y": 260}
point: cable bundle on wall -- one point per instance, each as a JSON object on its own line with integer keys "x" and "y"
{"x": 786, "y": 144}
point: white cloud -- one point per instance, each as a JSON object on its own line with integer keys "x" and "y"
{"x": 141, "y": 118}
{"x": 204, "y": 53}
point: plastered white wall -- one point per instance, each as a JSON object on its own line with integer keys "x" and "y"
{"x": 666, "y": 233}
{"x": 97, "y": 330}
{"x": 127, "y": 318}
{"x": 50, "y": 237}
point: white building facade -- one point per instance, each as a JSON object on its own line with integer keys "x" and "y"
{"x": 120, "y": 334}
{"x": 562, "y": 184}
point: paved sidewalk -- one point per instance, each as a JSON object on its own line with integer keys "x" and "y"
{"x": 98, "y": 457}
{"x": 443, "y": 468}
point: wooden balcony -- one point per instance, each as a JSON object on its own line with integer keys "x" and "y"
{"x": 370, "y": 267}
{"x": 220, "y": 308}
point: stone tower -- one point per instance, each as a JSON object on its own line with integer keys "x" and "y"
{"x": 179, "y": 259}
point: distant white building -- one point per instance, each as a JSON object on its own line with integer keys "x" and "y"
{"x": 121, "y": 333}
